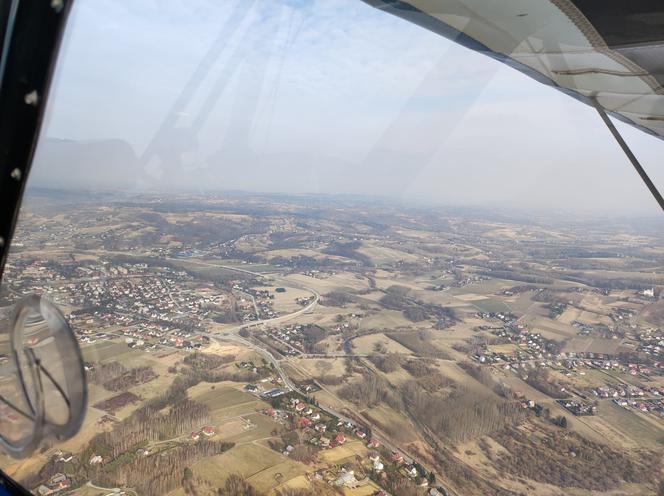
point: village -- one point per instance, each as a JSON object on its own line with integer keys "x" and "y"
{"x": 194, "y": 308}
{"x": 322, "y": 431}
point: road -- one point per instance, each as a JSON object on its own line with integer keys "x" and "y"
{"x": 112, "y": 490}
{"x": 285, "y": 282}
{"x": 232, "y": 334}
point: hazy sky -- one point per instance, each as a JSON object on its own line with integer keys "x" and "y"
{"x": 326, "y": 96}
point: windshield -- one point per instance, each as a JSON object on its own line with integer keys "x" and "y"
{"x": 308, "y": 247}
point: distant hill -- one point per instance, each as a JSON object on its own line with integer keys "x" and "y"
{"x": 73, "y": 164}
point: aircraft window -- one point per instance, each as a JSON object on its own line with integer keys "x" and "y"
{"x": 310, "y": 247}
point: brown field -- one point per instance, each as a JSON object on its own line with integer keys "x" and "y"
{"x": 368, "y": 489}
{"x": 317, "y": 367}
{"x": 258, "y": 463}
{"x": 381, "y": 255}
{"x": 348, "y": 450}
{"x": 392, "y": 423}
{"x": 339, "y": 281}
{"x": 226, "y": 399}
{"x": 390, "y": 319}
{"x": 594, "y": 345}
{"x": 365, "y": 344}
{"x": 107, "y": 350}
{"x": 627, "y": 427}
{"x": 401, "y": 247}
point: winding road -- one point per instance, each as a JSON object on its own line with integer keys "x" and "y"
{"x": 232, "y": 334}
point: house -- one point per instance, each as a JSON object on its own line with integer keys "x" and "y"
{"x": 648, "y": 293}
{"x": 378, "y": 466}
{"x": 96, "y": 459}
{"x": 299, "y": 407}
{"x": 346, "y": 479}
{"x": 59, "y": 482}
{"x": 361, "y": 434}
{"x": 340, "y": 438}
{"x": 58, "y": 479}
{"x": 273, "y": 393}
{"x": 251, "y": 388}
{"x": 396, "y": 457}
{"x": 304, "y": 422}
{"x": 64, "y": 457}
{"x": 320, "y": 427}
{"x": 374, "y": 443}
{"x": 324, "y": 442}
{"x": 44, "y": 491}
{"x": 195, "y": 436}
{"x": 208, "y": 430}
{"x": 412, "y": 472}
{"x": 271, "y": 412}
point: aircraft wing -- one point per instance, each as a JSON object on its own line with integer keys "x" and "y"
{"x": 609, "y": 50}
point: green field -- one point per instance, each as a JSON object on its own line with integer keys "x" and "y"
{"x": 246, "y": 459}
{"x": 490, "y": 305}
{"x": 264, "y": 427}
{"x": 107, "y": 350}
{"x": 221, "y": 398}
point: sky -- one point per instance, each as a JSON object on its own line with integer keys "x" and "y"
{"x": 319, "y": 96}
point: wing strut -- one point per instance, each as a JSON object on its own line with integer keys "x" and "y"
{"x": 632, "y": 158}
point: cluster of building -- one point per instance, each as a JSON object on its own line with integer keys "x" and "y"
{"x": 532, "y": 348}
{"x": 618, "y": 391}
{"x": 542, "y": 352}
{"x": 325, "y": 431}
{"x": 504, "y": 317}
{"x": 584, "y": 329}
{"x": 619, "y": 314}
{"x": 651, "y": 342}
{"x": 258, "y": 305}
{"x": 57, "y": 483}
{"x": 578, "y": 408}
{"x": 319, "y": 274}
{"x": 575, "y": 360}
{"x": 304, "y": 300}
{"x": 466, "y": 279}
{"x": 123, "y": 294}
{"x": 651, "y": 405}
{"x": 289, "y": 340}
{"x": 205, "y": 431}
{"x": 146, "y": 306}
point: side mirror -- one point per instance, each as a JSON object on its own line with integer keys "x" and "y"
{"x": 43, "y": 390}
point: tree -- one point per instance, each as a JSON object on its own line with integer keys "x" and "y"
{"x": 188, "y": 481}
{"x": 560, "y": 421}
{"x": 236, "y": 485}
